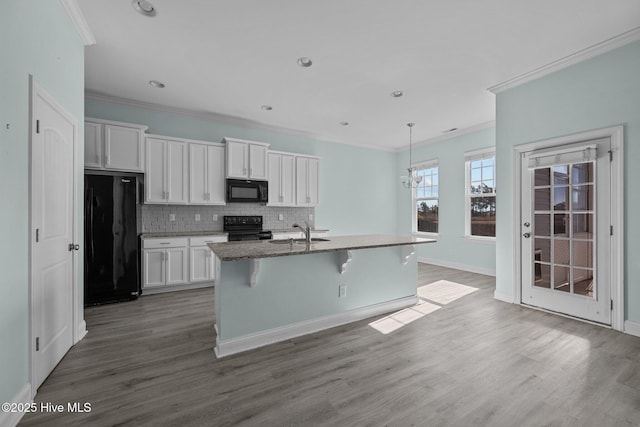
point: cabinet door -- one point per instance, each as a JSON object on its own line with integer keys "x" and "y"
{"x": 237, "y": 156}
{"x": 198, "y": 165}
{"x": 288, "y": 180}
{"x": 201, "y": 265}
{"x": 154, "y": 179}
{"x": 275, "y": 184}
{"x": 177, "y": 174}
{"x": 92, "y": 145}
{"x": 302, "y": 166}
{"x": 215, "y": 175}
{"x": 257, "y": 162}
{"x": 123, "y": 148}
{"x": 153, "y": 268}
{"x": 176, "y": 266}
{"x": 313, "y": 182}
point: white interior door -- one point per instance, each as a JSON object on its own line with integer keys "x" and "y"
{"x": 565, "y": 229}
{"x": 52, "y": 210}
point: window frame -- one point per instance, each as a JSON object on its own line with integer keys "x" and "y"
{"x": 428, "y": 164}
{"x": 471, "y": 156}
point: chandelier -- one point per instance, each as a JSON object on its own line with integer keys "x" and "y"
{"x": 411, "y": 180}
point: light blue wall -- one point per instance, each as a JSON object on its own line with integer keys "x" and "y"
{"x": 37, "y": 38}
{"x": 356, "y": 184}
{"x": 597, "y": 93}
{"x": 452, "y": 248}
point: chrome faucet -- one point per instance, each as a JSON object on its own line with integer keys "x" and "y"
{"x": 306, "y": 231}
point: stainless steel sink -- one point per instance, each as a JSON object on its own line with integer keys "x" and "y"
{"x": 280, "y": 241}
{"x": 313, "y": 240}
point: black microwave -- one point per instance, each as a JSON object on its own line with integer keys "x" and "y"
{"x": 245, "y": 191}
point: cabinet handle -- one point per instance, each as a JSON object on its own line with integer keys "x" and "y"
{"x": 165, "y": 243}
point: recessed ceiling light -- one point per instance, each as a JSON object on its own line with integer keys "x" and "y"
{"x": 156, "y": 83}
{"x": 144, "y": 7}
{"x": 304, "y": 62}
{"x": 397, "y": 93}
{"x": 344, "y": 123}
{"x": 267, "y": 107}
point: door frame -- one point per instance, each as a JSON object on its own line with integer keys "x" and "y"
{"x": 616, "y": 135}
{"x": 77, "y": 319}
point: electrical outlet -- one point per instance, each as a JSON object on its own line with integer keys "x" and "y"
{"x": 197, "y": 217}
{"x": 172, "y": 217}
{"x": 280, "y": 217}
{"x": 215, "y": 217}
{"x": 342, "y": 291}
{"x": 310, "y": 217}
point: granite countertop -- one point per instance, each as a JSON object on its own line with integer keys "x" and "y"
{"x": 231, "y": 251}
{"x": 297, "y": 230}
{"x": 181, "y": 234}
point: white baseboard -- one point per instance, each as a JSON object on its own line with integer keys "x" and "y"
{"x": 174, "y": 288}
{"x": 458, "y": 266}
{"x": 11, "y": 419}
{"x": 81, "y": 331}
{"x": 632, "y": 328}
{"x": 270, "y": 336}
{"x": 501, "y": 296}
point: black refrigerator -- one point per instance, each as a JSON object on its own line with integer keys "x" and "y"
{"x": 111, "y": 262}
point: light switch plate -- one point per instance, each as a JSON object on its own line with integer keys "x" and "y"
{"x": 310, "y": 217}
{"x": 197, "y": 217}
{"x": 172, "y": 217}
{"x": 281, "y": 217}
{"x": 215, "y": 217}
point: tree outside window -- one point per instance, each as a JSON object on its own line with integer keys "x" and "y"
{"x": 425, "y": 199}
{"x": 481, "y": 195}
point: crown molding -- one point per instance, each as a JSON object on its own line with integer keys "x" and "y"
{"x": 218, "y": 117}
{"x": 579, "y": 56}
{"x": 451, "y": 135}
{"x": 77, "y": 17}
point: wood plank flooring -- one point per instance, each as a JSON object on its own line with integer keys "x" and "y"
{"x": 469, "y": 361}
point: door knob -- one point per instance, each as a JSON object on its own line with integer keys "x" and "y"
{"x": 73, "y": 247}
{"x": 526, "y": 235}
{"x": 526, "y": 224}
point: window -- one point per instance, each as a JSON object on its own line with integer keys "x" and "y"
{"x": 481, "y": 193}
{"x": 425, "y": 199}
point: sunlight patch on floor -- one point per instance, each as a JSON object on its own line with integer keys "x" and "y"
{"x": 431, "y": 298}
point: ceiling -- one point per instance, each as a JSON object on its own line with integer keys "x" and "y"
{"x": 230, "y": 57}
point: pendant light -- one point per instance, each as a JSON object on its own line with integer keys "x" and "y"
{"x": 411, "y": 180}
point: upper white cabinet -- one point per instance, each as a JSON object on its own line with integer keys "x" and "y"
{"x": 282, "y": 179}
{"x": 246, "y": 159}
{"x": 166, "y": 173}
{"x": 112, "y": 145}
{"x": 307, "y": 181}
{"x": 206, "y": 174}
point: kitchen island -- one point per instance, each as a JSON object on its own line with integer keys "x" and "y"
{"x": 269, "y": 291}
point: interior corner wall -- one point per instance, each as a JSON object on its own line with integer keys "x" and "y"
{"x": 38, "y": 39}
{"x": 452, "y": 249}
{"x": 356, "y": 183}
{"x": 599, "y": 92}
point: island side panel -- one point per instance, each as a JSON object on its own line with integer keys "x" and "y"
{"x": 299, "y": 288}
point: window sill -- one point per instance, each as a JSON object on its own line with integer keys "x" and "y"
{"x": 425, "y": 234}
{"x": 481, "y": 240}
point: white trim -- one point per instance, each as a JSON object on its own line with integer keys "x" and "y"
{"x": 579, "y": 56}
{"x": 451, "y": 135}
{"x": 631, "y": 328}
{"x": 221, "y": 118}
{"x": 81, "y": 331}
{"x": 11, "y": 419}
{"x": 282, "y": 333}
{"x": 501, "y": 296}
{"x": 459, "y": 266}
{"x": 480, "y": 153}
{"x": 144, "y": 128}
{"x": 180, "y": 139}
{"x": 616, "y": 135}
{"x": 173, "y": 288}
{"x": 79, "y": 21}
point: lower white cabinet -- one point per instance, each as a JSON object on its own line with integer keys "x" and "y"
{"x": 177, "y": 262}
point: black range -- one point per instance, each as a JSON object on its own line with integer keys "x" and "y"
{"x": 245, "y": 227}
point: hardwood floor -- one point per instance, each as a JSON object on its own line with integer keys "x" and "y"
{"x": 467, "y": 360}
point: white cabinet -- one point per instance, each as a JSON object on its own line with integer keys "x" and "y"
{"x": 307, "y": 181}
{"x": 206, "y": 174}
{"x": 282, "y": 179}
{"x": 164, "y": 262}
{"x": 246, "y": 159}
{"x": 166, "y": 172}
{"x": 201, "y": 259}
{"x": 113, "y": 146}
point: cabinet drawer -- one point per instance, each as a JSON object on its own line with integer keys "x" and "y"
{"x": 204, "y": 240}
{"x": 172, "y": 242}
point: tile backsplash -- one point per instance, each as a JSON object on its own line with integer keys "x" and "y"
{"x": 157, "y": 218}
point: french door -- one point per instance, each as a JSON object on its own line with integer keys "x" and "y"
{"x": 565, "y": 229}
